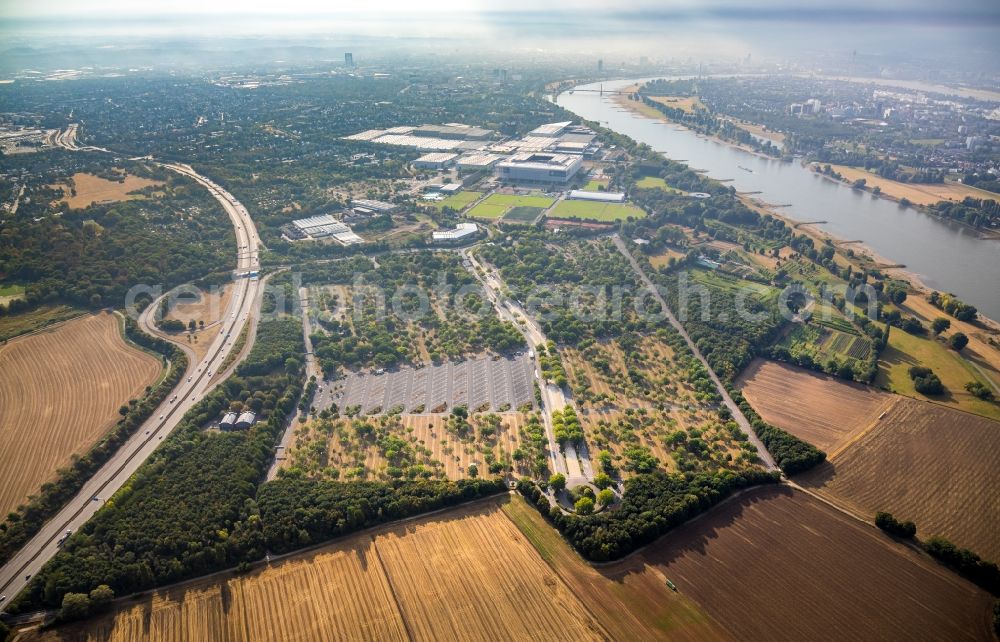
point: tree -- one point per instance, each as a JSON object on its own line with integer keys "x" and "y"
{"x": 940, "y": 324}
{"x": 473, "y": 471}
{"x": 584, "y": 506}
{"x": 557, "y": 482}
{"x": 100, "y": 597}
{"x": 192, "y": 326}
{"x": 959, "y": 341}
{"x": 605, "y": 497}
{"x": 75, "y": 606}
{"x": 890, "y": 524}
{"x": 123, "y": 411}
{"x": 602, "y": 480}
{"x": 979, "y": 390}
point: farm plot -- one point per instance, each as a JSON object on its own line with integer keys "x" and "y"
{"x": 496, "y": 206}
{"x": 90, "y": 189}
{"x": 825, "y": 411}
{"x": 777, "y": 564}
{"x": 926, "y": 463}
{"x": 60, "y": 391}
{"x": 466, "y": 574}
{"x": 596, "y": 211}
{"x": 475, "y": 576}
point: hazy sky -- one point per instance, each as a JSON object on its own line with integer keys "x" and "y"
{"x": 978, "y": 9}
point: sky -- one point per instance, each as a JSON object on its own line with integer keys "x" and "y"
{"x": 958, "y": 9}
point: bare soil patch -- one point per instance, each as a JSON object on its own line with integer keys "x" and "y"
{"x": 92, "y": 189}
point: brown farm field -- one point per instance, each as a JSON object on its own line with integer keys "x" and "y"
{"x": 59, "y": 392}
{"x": 777, "y": 564}
{"x": 92, "y": 189}
{"x": 823, "y": 410}
{"x": 923, "y": 462}
{"x": 466, "y": 574}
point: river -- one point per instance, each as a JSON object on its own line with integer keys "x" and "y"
{"x": 946, "y": 256}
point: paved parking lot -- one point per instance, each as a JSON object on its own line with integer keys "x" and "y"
{"x": 473, "y": 383}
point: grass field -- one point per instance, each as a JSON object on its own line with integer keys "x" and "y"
{"x": 22, "y": 322}
{"x": 655, "y": 182}
{"x": 457, "y": 202}
{"x": 827, "y": 412}
{"x": 922, "y": 462}
{"x": 60, "y": 391}
{"x": 595, "y": 185}
{"x": 777, "y": 564}
{"x": 905, "y": 350}
{"x": 595, "y": 211}
{"x": 917, "y": 193}
{"x": 495, "y": 206}
{"x": 522, "y": 214}
{"x": 688, "y": 104}
{"x": 92, "y": 189}
{"x": 467, "y": 574}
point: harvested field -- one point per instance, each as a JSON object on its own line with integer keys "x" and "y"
{"x": 917, "y": 193}
{"x": 92, "y": 189}
{"x": 922, "y": 462}
{"x": 60, "y": 391}
{"x": 630, "y": 599}
{"x": 825, "y": 411}
{"x": 777, "y": 564}
{"x": 467, "y": 574}
{"x": 475, "y": 576}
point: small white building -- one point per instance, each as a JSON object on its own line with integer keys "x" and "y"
{"x": 604, "y": 197}
{"x": 461, "y": 232}
{"x": 228, "y": 421}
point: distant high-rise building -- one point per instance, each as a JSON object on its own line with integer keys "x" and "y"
{"x": 643, "y": 60}
{"x": 600, "y": 66}
{"x": 349, "y": 59}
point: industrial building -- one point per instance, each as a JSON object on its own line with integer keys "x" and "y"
{"x": 478, "y": 161}
{"x": 539, "y": 168}
{"x": 604, "y": 197}
{"x": 325, "y": 225}
{"x": 461, "y": 232}
{"x": 435, "y": 160}
{"x": 246, "y": 420}
{"x": 372, "y": 205}
{"x": 456, "y": 131}
{"x": 228, "y": 421}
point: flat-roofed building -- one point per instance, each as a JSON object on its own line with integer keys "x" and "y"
{"x": 539, "y": 168}
{"x": 478, "y": 161}
{"x": 373, "y": 205}
{"x": 435, "y": 160}
{"x": 453, "y": 130}
{"x": 461, "y": 232}
{"x": 550, "y": 130}
{"x": 604, "y": 197}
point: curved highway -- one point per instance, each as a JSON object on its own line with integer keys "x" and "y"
{"x": 197, "y": 381}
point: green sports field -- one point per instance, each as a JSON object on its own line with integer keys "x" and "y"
{"x": 457, "y": 202}
{"x": 655, "y": 182}
{"x": 596, "y": 211}
{"x": 496, "y": 205}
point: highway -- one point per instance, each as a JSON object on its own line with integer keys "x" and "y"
{"x": 196, "y": 382}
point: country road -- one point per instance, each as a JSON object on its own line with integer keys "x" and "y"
{"x": 197, "y": 382}
{"x": 738, "y": 415}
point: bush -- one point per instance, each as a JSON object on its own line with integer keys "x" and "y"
{"x": 888, "y": 523}
{"x": 979, "y": 390}
{"x": 925, "y": 381}
{"x": 75, "y": 606}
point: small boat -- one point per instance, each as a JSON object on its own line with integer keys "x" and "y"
{"x": 671, "y": 586}
{"x": 745, "y": 169}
